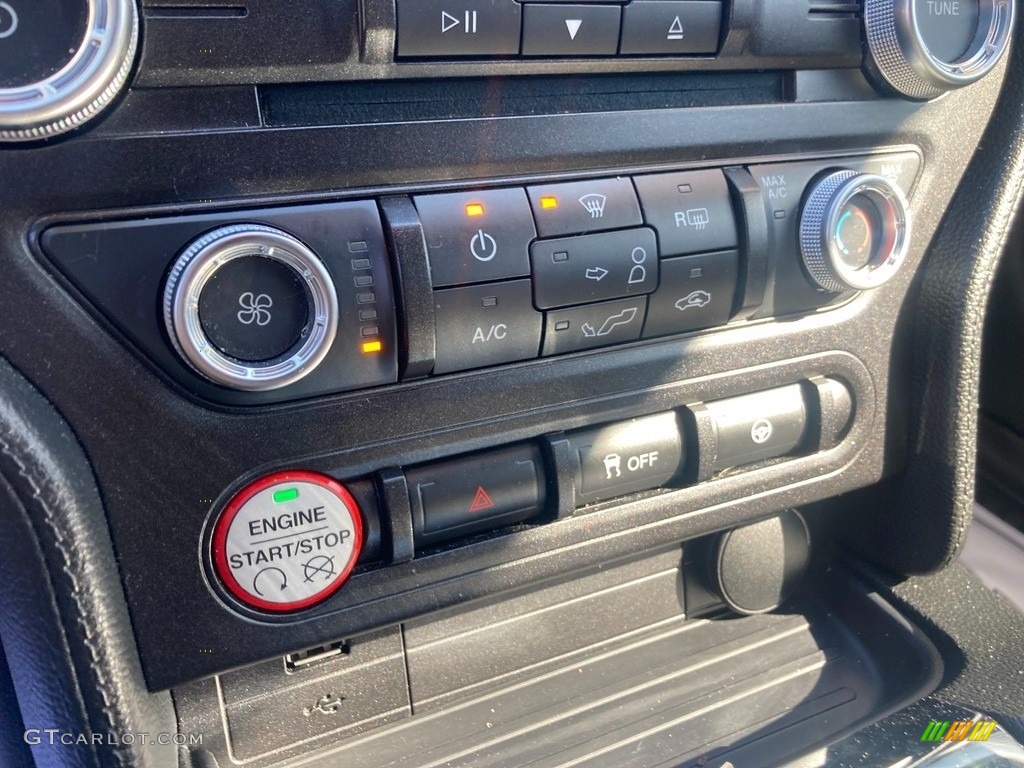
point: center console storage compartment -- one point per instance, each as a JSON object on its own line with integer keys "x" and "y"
{"x": 602, "y": 668}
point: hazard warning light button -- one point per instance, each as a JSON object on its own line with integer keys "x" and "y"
{"x": 288, "y": 541}
{"x": 488, "y": 490}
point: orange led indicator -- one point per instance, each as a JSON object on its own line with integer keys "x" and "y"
{"x": 369, "y": 347}
{"x": 474, "y": 209}
{"x": 549, "y": 202}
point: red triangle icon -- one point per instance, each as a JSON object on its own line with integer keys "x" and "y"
{"x": 482, "y": 500}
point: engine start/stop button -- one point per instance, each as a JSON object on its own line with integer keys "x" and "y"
{"x": 287, "y": 541}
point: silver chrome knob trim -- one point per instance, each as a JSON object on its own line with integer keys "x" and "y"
{"x": 85, "y": 86}
{"x": 819, "y": 220}
{"x": 903, "y": 60}
{"x": 193, "y": 270}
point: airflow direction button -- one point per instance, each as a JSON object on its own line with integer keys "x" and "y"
{"x": 591, "y": 268}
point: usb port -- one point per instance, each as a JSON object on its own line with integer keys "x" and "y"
{"x": 299, "y": 660}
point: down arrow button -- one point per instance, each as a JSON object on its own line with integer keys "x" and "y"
{"x": 570, "y": 30}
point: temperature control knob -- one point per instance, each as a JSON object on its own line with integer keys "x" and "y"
{"x": 854, "y": 231}
{"x": 922, "y": 48}
{"x": 61, "y": 62}
{"x": 250, "y": 307}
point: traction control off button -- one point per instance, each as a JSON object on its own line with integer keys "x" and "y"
{"x": 627, "y": 456}
{"x": 288, "y": 541}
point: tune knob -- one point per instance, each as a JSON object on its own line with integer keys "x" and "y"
{"x": 250, "y": 307}
{"x": 61, "y": 62}
{"x": 922, "y": 48}
{"x": 854, "y": 231}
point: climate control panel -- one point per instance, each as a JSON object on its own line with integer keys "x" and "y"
{"x": 287, "y": 303}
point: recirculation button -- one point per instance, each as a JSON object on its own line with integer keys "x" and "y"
{"x": 287, "y": 541}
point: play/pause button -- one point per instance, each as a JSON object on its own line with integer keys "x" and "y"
{"x": 453, "y": 28}
{"x": 570, "y": 30}
{"x": 449, "y": 22}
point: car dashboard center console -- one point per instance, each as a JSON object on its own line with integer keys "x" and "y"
{"x": 385, "y": 324}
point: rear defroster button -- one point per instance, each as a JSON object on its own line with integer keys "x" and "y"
{"x": 287, "y": 541}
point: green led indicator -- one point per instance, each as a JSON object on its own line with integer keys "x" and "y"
{"x": 286, "y": 494}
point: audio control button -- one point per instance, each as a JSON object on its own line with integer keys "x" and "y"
{"x": 474, "y": 237}
{"x": 570, "y": 30}
{"x": 485, "y": 325}
{"x": 453, "y": 28}
{"x": 947, "y": 27}
{"x": 62, "y": 63}
{"x": 922, "y": 48}
{"x": 287, "y": 541}
{"x": 582, "y": 270}
{"x": 38, "y": 38}
{"x": 671, "y": 27}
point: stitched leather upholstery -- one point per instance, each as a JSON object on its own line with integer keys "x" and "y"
{"x": 63, "y": 619}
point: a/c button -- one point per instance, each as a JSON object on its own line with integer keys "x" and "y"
{"x": 485, "y": 325}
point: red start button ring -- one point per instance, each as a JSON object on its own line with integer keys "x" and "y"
{"x": 288, "y": 541}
